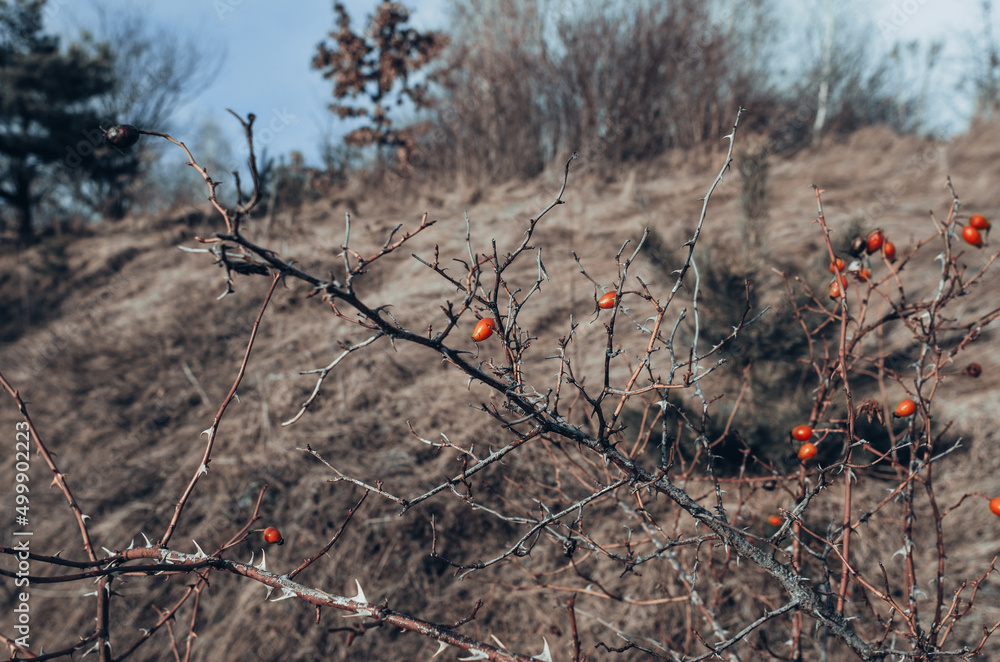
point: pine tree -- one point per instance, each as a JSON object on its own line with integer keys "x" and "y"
{"x": 48, "y": 116}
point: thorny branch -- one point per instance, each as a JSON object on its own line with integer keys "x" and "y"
{"x": 577, "y": 431}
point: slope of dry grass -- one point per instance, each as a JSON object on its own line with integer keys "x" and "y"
{"x": 113, "y": 339}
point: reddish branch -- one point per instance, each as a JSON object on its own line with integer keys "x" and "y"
{"x": 214, "y": 429}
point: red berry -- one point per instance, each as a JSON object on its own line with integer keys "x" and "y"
{"x": 905, "y": 408}
{"x": 875, "y": 240}
{"x": 835, "y": 289}
{"x": 995, "y": 506}
{"x": 979, "y": 222}
{"x": 807, "y": 451}
{"x": 889, "y": 251}
{"x": 972, "y": 236}
{"x": 775, "y": 520}
{"x": 484, "y": 329}
{"x": 802, "y": 433}
{"x": 273, "y": 536}
{"x": 837, "y": 265}
{"x": 608, "y": 300}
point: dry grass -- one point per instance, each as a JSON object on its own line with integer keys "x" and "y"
{"x": 98, "y": 343}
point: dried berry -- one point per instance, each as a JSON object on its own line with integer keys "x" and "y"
{"x": 122, "y": 136}
{"x": 973, "y": 369}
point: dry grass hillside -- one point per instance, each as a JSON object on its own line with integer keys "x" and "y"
{"x": 120, "y": 347}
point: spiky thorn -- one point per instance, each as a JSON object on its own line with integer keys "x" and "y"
{"x": 546, "y": 654}
{"x": 360, "y": 597}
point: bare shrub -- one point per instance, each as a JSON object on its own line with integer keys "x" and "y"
{"x": 497, "y": 99}
{"x": 619, "y": 83}
{"x": 599, "y": 474}
{"x": 616, "y": 83}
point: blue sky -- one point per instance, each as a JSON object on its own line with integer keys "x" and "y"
{"x": 267, "y": 49}
{"x": 268, "y": 45}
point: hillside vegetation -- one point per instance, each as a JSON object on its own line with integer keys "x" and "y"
{"x": 122, "y": 350}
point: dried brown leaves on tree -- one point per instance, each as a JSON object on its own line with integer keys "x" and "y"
{"x": 372, "y": 71}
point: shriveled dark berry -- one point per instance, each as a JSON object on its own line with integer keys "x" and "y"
{"x": 122, "y": 136}
{"x": 973, "y": 370}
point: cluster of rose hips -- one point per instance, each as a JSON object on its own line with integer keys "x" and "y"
{"x": 861, "y": 248}
{"x": 808, "y": 450}
{"x": 804, "y": 433}
{"x": 976, "y": 232}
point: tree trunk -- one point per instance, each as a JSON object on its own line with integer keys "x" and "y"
{"x": 25, "y": 233}
{"x": 827, "y": 69}
{"x": 20, "y": 200}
